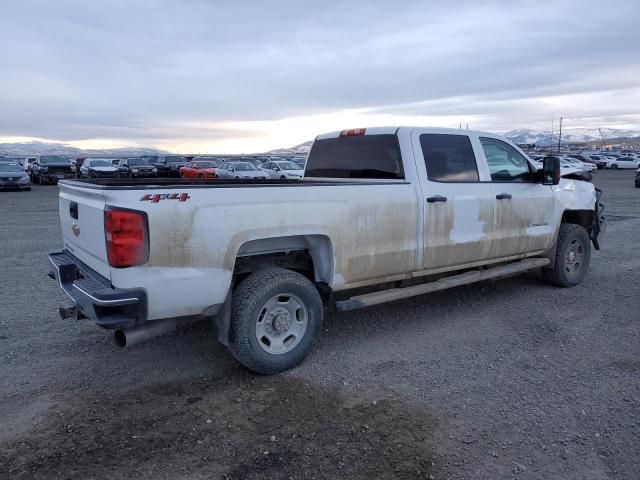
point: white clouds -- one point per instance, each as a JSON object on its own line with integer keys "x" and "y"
{"x": 196, "y": 74}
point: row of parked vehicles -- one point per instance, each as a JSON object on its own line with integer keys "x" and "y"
{"x": 48, "y": 169}
{"x": 590, "y": 161}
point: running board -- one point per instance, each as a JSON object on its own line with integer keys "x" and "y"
{"x": 392, "y": 294}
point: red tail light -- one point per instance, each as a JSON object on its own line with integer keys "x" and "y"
{"x": 353, "y": 132}
{"x": 127, "y": 236}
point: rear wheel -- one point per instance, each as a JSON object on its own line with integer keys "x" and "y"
{"x": 276, "y": 317}
{"x": 614, "y": 166}
{"x": 573, "y": 252}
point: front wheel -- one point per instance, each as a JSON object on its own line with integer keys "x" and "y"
{"x": 573, "y": 252}
{"x": 276, "y": 317}
{"x": 614, "y": 166}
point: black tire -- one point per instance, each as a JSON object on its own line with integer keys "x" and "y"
{"x": 250, "y": 299}
{"x": 565, "y": 273}
{"x": 614, "y": 166}
{"x": 637, "y": 184}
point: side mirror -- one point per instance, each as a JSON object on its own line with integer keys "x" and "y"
{"x": 551, "y": 171}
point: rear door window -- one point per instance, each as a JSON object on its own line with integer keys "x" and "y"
{"x": 361, "y": 156}
{"x": 449, "y": 158}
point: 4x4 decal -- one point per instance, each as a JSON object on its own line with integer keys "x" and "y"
{"x": 156, "y": 197}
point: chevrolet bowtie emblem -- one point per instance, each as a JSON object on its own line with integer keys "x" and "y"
{"x": 75, "y": 229}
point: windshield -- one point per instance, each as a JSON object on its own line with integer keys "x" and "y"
{"x": 136, "y": 162}
{"x": 206, "y": 164}
{"x": 10, "y": 167}
{"x": 100, "y": 163}
{"x": 175, "y": 160}
{"x": 243, "y": 166}
{"x": 53, "y": 159}
{"x": 288, "y": 166}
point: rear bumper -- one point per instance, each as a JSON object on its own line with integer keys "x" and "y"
{"x": 108, "y": 307}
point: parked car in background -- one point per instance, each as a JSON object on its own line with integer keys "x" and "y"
{"x": 48, "y": 169}
{"x": 599, "y": 159}
{"x": 586, "y": 167}
{"x": 302, "y": 161}
{"x": 623, "y": 162}
{"x": 586, "y": 159}
{"x": 170, "y": 165}
{"x": 201, "y": 169}
{"x": 28, "y": 162}
{"x": 98, "y": 168}
{"x": 283, "y": 169}
{"x": 241, "y": 170}
{"x": 13, "y": 176}
{"x": 638, "y": 178}
{"x": 136, "y": 168}
{"x": 257, "y": 162}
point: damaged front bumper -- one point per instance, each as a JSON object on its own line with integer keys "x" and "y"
{"x": 93, "y": 295}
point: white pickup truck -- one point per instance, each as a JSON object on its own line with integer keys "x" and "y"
{"x": 400, "y": 211}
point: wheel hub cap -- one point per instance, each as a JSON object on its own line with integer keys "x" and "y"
{"x": 574, "y": 257}
{"x": 281, "y": 323}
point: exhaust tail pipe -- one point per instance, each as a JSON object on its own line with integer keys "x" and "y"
{"x": 132, "y": 336}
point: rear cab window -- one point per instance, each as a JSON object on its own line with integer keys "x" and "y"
{"x": 359, "y": 156}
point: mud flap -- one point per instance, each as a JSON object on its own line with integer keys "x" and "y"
{"x": 222, "y": 321}
{"x": 599, "y": 222}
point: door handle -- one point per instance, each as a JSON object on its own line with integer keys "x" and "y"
{"x": 502, "y": 196}
{"x": 437, "y": 198}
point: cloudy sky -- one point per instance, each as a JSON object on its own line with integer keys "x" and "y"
{"x": 222, "y": 76}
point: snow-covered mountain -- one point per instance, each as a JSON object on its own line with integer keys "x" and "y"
{"x": 569, "y": 135}
{"x": 42, "y": 148}
{"x": 302, "y": 149}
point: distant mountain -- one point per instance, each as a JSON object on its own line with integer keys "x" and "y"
{"x": 42, "y": 148}
{"x": 302, "y": 149}
{"x": 569, "y": 135}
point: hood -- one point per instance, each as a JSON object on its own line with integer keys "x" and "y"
{"x": 56, "y": 164}
{"x": 14, "y": 176}
{"x": 251, "y": 174}
{"x": 103, "y": 169}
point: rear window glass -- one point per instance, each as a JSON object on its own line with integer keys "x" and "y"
{"x": 364, "y": 156}
{"x": 449, "y": 158}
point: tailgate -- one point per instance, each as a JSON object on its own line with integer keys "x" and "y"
{"x": 82, "y": 222}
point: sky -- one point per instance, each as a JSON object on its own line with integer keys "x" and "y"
{"x": 222, "y": 77}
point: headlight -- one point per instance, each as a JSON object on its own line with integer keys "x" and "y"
{"x": 155, "y": 170}
{"x": 44, "y": 169}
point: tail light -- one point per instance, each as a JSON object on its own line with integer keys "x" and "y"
{"x": 127, "y": 235}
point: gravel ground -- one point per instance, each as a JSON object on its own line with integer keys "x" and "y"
{"x": 506, "y": 379}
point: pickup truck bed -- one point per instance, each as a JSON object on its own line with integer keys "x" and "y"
{"x": 378, "y": 208}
